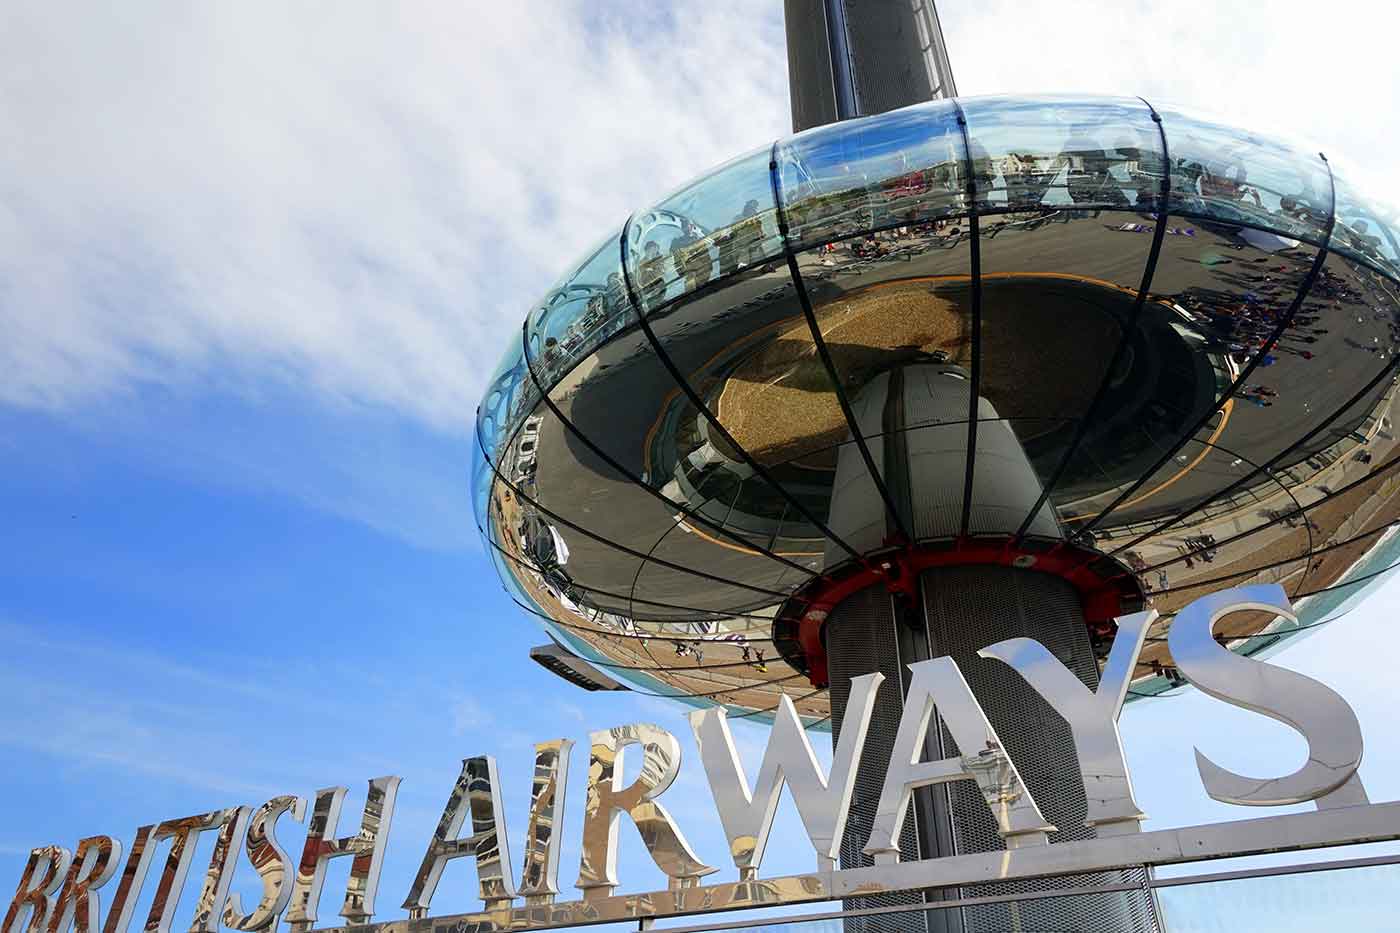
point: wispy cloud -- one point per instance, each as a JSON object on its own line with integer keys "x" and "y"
{"x": 359, "y": 207}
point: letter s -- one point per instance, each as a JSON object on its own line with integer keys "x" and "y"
{"x": 1325, "y": 720}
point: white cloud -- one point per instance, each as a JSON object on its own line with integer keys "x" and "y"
{"x": 1326, "y": 73}
{"x": 358, "y": 201}
{"x": 354, "y": 205}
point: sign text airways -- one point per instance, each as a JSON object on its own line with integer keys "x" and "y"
{"x": 58, "y": 890}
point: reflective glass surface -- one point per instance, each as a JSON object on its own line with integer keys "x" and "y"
{"x": 1368, "y": 228}
{"x": 722, "y": 434}
{"x": 903, "y": 167}
{"x": 709, "y": 229}
{"x": 894, "y": 311}
{"x": 1344, "y": 899}
{"x": 581, "y": 312}
{"x": 1064, "y": 152}
{"x": 1060, "y": 312}
{"x": 1243, "y": 177}
{"x": 498, "y": 415}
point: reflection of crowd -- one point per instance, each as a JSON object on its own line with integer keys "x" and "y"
{"x": 606, "y": 311}
{"x": 1242, "y": 323}
{"x": 752, "y": 656}
{"x": 694, "y": 257}
{"x": 1197, "y": 546}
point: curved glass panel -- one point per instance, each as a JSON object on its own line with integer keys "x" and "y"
{"x": 689, "y": 477}
{"x": 1367, "y": 228}
{"x": 1241, "y": 177}
{"x": 1059, "y": 308}
{"x": 717, "y": 225}
{"x": 1217, "y": 299}
{"x": 1063, "y": 153}
{"x": 901, "y": 167}
{"x": 888, "y": 306}
{"x": 581, "y": 312}
{"x": 501, "y": 409}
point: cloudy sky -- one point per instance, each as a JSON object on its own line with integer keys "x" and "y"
{"x": 256, "y": 262}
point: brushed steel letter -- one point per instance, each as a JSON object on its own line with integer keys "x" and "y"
{"x": 1325, "y": 720}
{"x": 43, "y": 873}
{"x": 271, "y": 863}
{"x": 607, "y": 798}
{"x": 478, "y": 789}
{"x": 366, "y": 847}
{"x": 983, "y": 760}
{"x": 1092, "y": 717}
{"x": 823, "y": 803}
{"x": 78, "y": 905}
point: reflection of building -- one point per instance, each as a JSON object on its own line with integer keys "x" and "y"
{"x": 907, "y": 385}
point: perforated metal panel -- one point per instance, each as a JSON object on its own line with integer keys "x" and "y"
{"x": 850, "y": 58}
{"x": 968, "y": 608}
{"x": 861, "y": 639}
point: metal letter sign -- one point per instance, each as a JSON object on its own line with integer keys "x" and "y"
{"x": 823, "y": 803}
{"x": 58, "y": 892}
{"x": 1092, "y": 717}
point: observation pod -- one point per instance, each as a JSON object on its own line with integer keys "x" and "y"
{"x": 1000, "y": 366}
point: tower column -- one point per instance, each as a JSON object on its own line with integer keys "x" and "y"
{"x": 959, "y": 610}
{"x": 944, "y": 596}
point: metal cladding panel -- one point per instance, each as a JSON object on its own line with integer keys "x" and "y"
{"x": 969, "y": 608}
{"x": 887, "y": 59}
{"x": 857, "y": 511}
{"x": 809, "y": 64}
{"x": 935, "y": 408}
{"x": 861, "y": 639}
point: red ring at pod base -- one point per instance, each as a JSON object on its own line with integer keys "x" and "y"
{"x": 1107, "y": 588}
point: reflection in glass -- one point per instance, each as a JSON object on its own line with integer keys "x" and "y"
{"x": 1342, "y": 899}
{"x": 581, "y": 312}
{"x": 1037, "y": 153}
{"x": 709, "y": 229}
{"x": 902, "y": 167}
{"x": 724, "y": 406}
{"x": 1367, "y": 228}
{"x": 1242, "y": 177}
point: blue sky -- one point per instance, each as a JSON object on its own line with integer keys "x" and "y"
{"x": 256, "y": 262}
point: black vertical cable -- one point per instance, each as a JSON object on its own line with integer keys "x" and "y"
{"x": 1158, "y": 235}
{"x": 825, "y": 354}
{"x": 635, "y": 480}
{"x": 704, "y": 409}
{"x": 1303, "y": 289}
{"x": 975, "y": 388}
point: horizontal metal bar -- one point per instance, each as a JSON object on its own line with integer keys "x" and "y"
{"x": 1270, "y": 871}
{"x": 1289, "y": 832}
{"x": 1181, "y": 881}
{"x": 949, "y": 904}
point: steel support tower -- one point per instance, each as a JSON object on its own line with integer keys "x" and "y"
{"x": 852, "y": 58}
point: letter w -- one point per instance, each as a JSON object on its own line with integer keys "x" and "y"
{"x": 822, "y": 802}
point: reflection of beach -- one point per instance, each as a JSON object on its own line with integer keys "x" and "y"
{"x": 779, "y": 403}
{"x": 1340, "y": 518}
